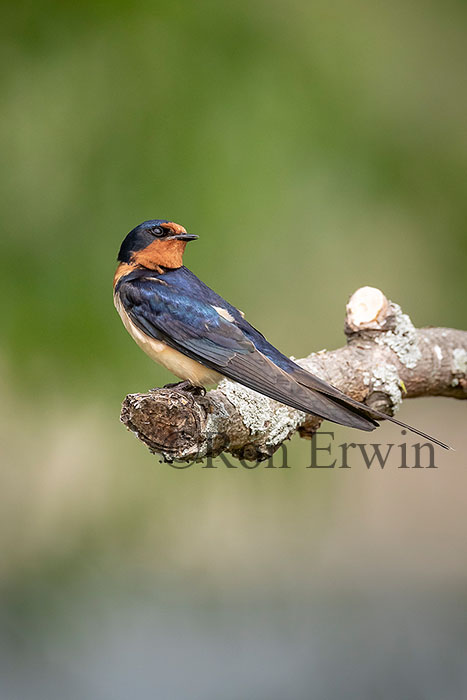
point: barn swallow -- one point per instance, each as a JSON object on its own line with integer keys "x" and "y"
{"x": 185, "y": 326}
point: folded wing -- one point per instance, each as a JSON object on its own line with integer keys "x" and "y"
{"x": 198, "y": 330}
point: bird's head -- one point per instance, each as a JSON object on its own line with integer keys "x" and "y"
{"x": 155, "y": 243}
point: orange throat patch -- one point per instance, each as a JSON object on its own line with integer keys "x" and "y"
{"x": 160, "y": 254}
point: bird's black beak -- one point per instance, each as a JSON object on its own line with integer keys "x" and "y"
{"x": 183, "y": 237}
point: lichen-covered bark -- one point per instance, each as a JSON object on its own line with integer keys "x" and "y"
{"x": 384, "y": 361}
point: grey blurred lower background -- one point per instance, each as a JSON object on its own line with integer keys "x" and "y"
{"x": 118, "y": 639}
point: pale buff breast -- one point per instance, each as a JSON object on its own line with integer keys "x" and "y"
{"x": 174, "y": 361}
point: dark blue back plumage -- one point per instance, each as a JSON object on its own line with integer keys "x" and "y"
{"x": 178, "y": 308}
{"x": 190, "y": 301}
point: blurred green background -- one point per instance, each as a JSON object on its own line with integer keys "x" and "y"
{"x": 315, "y": 148}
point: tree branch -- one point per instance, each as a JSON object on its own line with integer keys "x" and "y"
{"x": 385, "y": 360}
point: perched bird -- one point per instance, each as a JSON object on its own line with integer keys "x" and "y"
{"x": 185, "y": 326}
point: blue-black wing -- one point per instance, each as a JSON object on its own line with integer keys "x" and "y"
{"x": 221, "y": 341}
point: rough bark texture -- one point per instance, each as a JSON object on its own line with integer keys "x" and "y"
{"x": 385, "y": 360}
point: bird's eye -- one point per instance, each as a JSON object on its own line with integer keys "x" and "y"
{"x": 157, "y": 231}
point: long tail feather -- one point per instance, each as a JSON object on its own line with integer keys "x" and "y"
{"x": 314, "y": 383}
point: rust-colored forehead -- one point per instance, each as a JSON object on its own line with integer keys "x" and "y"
{"x": 176, "y": 228}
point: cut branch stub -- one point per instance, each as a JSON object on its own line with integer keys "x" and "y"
{"x": 166, "y": 420}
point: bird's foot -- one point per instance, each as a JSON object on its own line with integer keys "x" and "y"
{"x": 187, "y": 386}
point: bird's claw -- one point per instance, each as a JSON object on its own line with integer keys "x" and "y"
{"x": 188, "y": 387}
